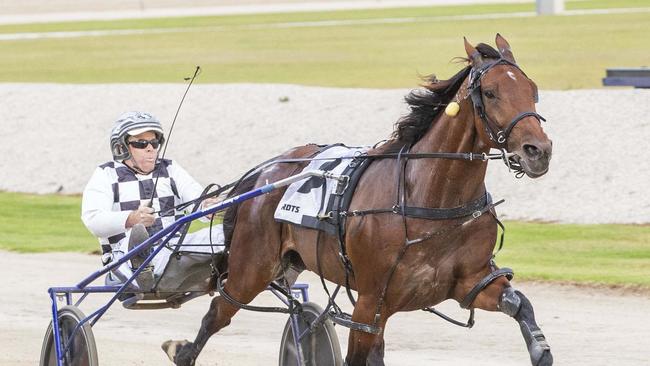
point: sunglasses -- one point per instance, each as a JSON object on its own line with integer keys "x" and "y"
{"x": 142, "y": 144}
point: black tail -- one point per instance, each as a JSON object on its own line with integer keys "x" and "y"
{"x": 230, "y": 216}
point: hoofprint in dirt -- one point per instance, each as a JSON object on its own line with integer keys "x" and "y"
{"x": 585, "y": 326}
{"x": 54, "y": 135}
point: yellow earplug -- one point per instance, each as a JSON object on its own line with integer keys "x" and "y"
{"x": 452, "y": 109}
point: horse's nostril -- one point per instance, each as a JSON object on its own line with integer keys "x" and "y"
{"x": 532, "y": 151}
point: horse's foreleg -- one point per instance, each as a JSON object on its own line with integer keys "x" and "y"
{"x": 499, "y": 296}
{"x": 376, "y": 356}
{"x": 366, "y": 349}
{"x": 515, "y": 304}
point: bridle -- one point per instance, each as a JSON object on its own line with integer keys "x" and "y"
{"x": 498, "y": 135}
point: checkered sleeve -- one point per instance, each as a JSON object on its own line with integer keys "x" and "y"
{"x": 97, "y": 207}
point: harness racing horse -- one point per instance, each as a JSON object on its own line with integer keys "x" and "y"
{"x": 401, "y": 260}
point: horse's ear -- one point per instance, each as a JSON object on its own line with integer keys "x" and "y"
{"x": 473, "y": 54}
{"x": 504, "y": 48}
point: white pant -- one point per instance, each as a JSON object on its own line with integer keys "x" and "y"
{"x": 197, "y": 241}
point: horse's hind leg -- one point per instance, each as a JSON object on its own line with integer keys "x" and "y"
{"x": 499, "y": 296}
{"x": 185, "y": 352}
{"x": 242, "y": 285}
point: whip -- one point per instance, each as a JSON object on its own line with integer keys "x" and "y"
{"x": 196, "y": 73}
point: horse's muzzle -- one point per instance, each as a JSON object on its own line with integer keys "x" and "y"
{"x": 534, "y": 157}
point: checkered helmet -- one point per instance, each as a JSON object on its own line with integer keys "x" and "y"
{"x": 130, "y": 124}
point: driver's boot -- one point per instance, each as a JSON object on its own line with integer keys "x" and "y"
{"x": 145, "y": 279}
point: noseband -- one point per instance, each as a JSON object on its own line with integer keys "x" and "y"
{"x": 496, "y": 133}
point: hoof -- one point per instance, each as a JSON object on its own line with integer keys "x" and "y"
{"x": 546, "y": 359}
{"x": 172, "y": 348}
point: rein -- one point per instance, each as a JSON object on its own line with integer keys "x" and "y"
{"x": 503, "y": 155}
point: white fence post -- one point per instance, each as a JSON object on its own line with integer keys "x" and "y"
{"x": 550, "y": 7}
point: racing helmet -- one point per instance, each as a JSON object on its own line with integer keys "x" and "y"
{"x": 131, "y": 124}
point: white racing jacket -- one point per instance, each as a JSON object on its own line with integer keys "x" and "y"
{"x": 114, "y": 190}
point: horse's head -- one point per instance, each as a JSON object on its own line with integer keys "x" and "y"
{"x": 504, "y": 102}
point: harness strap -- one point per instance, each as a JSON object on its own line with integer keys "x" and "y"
{"x": 445, "y": 213}
{"x": 475, "y": 215}
{"x": 468, "y": 209}
{"x": 435, "y": 155}
{"x": 519, "y": 117}
{"x": 470, "y": 321}
{"x": 471, "y": 296}
{"x": 222, "y": 292}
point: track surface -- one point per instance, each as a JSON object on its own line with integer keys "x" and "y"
{"x": 584, "y": 326}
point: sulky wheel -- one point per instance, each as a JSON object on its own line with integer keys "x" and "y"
{"x": 320, "y": 347}
{"x": 81, "y": 350}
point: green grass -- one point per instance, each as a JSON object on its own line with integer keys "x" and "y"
{"x": 605, "y": 254}
{"x": 46, "y": 223}
{"x": 35, "y": 223}
{"x": 257, "y": 19}
{"x": 597, "y": 254}
{"x": 557, "y": 52}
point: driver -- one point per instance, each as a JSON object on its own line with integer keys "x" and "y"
{"x": 117, "y": 201}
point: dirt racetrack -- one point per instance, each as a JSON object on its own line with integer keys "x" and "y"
{"x": 584, "y": 326}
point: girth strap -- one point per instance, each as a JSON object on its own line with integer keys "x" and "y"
{"x": 446, "y": 213}
{"x": 471, "y": 296}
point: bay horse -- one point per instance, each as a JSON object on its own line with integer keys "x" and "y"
{"x": 391, "y": 272}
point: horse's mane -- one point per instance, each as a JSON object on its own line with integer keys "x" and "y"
{"x": 427, "y": 102}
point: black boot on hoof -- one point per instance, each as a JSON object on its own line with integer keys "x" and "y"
{"x": 539, "y": 350}
{"x": 545, "y": 360}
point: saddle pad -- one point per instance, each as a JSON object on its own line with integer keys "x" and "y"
{"x": 305, "y": 200}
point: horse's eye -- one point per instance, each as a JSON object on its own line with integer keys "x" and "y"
{"x": 489, "y": 94}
